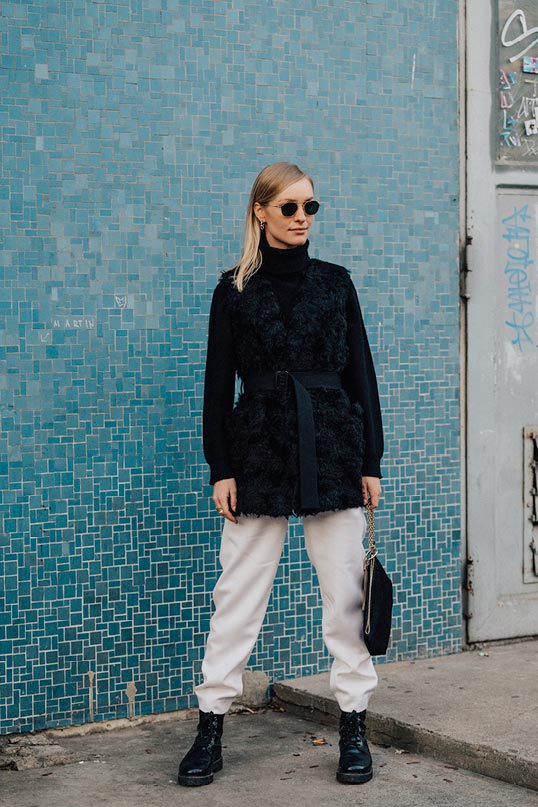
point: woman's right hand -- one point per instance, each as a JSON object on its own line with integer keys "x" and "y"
{"x": 225, "y": 498}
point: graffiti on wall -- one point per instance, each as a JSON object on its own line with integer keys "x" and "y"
{"x": 518, "y": 230}
{"x": 517, "y": 95}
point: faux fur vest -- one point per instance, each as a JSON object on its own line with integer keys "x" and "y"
{"x": 262, "y": 429}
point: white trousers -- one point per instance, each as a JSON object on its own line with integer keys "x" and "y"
{"x": 249, "y": 555}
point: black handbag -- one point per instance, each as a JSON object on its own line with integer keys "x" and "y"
{"x": 377, "y": 596}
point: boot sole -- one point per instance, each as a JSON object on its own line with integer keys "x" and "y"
{"x": 354, "y": 778}
{"x": 198, "y": 781}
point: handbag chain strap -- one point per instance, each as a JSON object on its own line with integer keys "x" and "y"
{"x": 368, "y": 578}
{"x": 372, "y": 548}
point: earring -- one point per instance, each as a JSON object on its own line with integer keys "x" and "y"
{"x": 262, "y": 225}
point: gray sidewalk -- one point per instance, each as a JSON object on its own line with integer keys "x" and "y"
{"x": 476, "y": 709}
{"x": 270, "y": 760}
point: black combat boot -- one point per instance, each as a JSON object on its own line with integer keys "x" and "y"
{"x": 355, "y": 765}
{"x": 205, "y": 756}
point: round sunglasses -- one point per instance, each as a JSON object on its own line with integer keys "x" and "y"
{"x": 290, "y": 208}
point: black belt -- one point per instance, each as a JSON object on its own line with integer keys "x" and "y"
{"x": 302, "y": 382}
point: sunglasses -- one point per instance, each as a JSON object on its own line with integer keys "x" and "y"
{"x": 290, "y": 208}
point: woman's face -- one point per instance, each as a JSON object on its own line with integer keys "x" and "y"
{"x": 286, "y": 232}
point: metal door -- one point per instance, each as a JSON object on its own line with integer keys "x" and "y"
{"x": 501, "y": 291}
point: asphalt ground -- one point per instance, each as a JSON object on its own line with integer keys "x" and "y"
{"x": 270, "y": 758}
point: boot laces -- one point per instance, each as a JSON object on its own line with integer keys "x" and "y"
{"x": 207, "y": 732}
{"x": 352, "y": 730}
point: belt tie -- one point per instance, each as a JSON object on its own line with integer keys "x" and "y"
{"x": 306, "y": 431}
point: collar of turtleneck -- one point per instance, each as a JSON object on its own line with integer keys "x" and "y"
{"x": 283, "y": 261}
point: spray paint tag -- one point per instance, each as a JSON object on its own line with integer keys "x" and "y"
{"x": 530, "y": 64}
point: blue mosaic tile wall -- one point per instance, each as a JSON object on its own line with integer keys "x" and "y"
{"x": 131, "y": 133}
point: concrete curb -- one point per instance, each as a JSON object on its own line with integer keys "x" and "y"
{"x": 384, "y": 730}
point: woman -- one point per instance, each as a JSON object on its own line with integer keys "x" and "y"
{"x": 304, "y": 438}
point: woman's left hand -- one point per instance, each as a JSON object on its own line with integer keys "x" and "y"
{"x": 371, "y": 490}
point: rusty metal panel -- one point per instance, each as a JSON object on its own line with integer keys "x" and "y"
{"x": 530, "y": 499}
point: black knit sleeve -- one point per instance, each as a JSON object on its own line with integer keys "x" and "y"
{"x": 359, "y": 381}
{"x": 219, "y": 387}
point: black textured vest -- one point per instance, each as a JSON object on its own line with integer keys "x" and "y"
{"x": 262, "y": 429}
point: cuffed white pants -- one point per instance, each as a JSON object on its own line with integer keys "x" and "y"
{"x": 249, "y": 556}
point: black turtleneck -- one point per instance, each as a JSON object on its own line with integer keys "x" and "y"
{"x": 284, "y": 268}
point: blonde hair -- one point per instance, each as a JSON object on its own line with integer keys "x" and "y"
{"x": 271, "y": 181}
